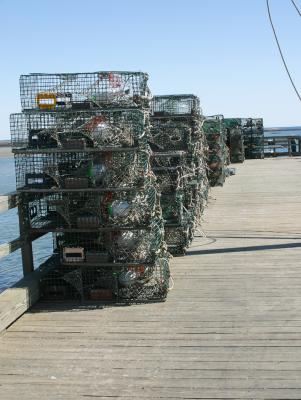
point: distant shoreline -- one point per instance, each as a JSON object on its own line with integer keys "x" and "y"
{"x": 5, "y": 151}
{"x": 5, "y": 143}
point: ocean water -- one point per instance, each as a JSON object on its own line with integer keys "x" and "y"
{"x": 11, "y": 266}
{"x": 274, "y": 133}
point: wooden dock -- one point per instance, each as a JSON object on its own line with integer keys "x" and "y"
{"x": 230, "y": 329}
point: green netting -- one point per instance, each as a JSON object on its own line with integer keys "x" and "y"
{"x": 235, "y": 139}
{"x": 253, "y": 133}
{"x": 218, "y": 154}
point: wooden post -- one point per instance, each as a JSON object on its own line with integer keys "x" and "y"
{"x": 26, "y": 243}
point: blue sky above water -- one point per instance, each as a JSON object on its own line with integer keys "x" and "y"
{"x": 222, "y": 51}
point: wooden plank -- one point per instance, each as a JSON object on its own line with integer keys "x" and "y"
{"x": 19, "y": 298}
{"x": 8, "y": 201}
{"x": 8, "y": 248}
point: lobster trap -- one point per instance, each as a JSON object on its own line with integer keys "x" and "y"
{"x": 78, "y": 130}
{"x": 218, "y": 154}
{"x": 120, "y": 244}
{"x": 174, "y": 133}
{"x": 81, "y": 91}
{"x": 80, "y": 169}
{"x": 152, "y": 284}
{"x": 173, "y": 209}
{"x": 178, "y": 239}
{"x": 90, "y": 209}
{"x": 253, "y": 134}
{"x": 172, "y": 170}
{"x": 132, "y": 283}
{"x": 235, "y": 139}
{"x": 184, "y": 104}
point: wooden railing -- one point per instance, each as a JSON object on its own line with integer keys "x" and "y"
{"x": 24, "y": 242}
{"x": 18, "y": 298}
{"x": 8, "y": 202}
{"x": 282, "y": 145}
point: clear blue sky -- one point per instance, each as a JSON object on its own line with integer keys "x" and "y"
{"x": 221, "y": 50}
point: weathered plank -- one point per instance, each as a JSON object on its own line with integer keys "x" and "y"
{"x": 16, "y": 300}
{"x": 8, "y": 201}
{"x": 19, "y": 298}
{"x": 8, "y": 248}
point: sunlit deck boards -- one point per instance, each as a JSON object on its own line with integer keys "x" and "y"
{"x": 230, "y": 329}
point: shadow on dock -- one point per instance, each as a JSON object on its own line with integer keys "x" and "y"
{"x": 244, "y": 248}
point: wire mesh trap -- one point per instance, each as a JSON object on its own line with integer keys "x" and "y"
{"x": 253, "y": 133}
{"x": 178, "y": 239}
{"x": 80, "y": 170}
{"x": 78, "y": 130}
{"x": 120, "y": 244}
{"x": 217, "y": 149}
{"x": 90, "y": 209}
{"x": 132, "y": 283}
{"x": 84, "y": 90}
{"x": 235, "y": 139}
{"x": 174, "y": 133}
{"x": 174, "y": 105}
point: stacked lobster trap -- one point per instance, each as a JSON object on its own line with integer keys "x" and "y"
{"x": 253, "y": 133}
{"x": 83, "y": 172}
{"x": 235, "y": 139}
{"x": 178, "y": 162}
{"x": 218, "y": 153}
